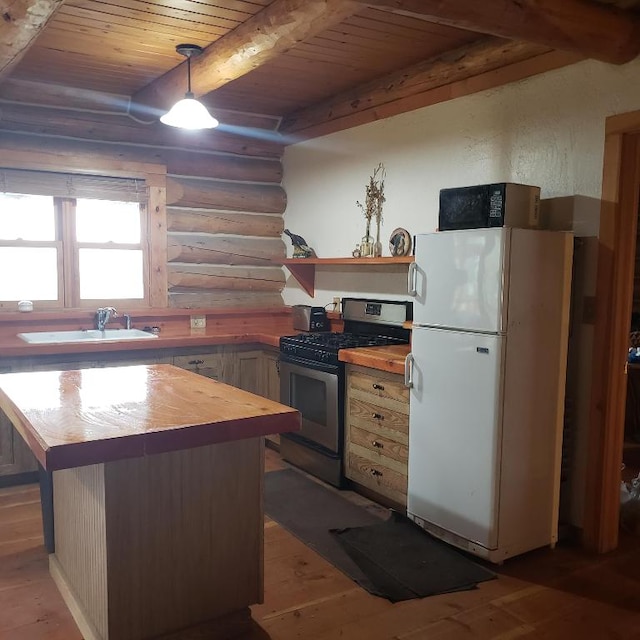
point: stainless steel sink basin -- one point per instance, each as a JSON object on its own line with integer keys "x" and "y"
{"x": 89, "y": 335}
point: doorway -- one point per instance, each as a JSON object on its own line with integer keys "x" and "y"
{"x": 614, "y": 293}
{"x": 631, "y": 447}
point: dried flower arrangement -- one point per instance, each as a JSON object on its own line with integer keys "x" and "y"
{"x": 372, "y": 208}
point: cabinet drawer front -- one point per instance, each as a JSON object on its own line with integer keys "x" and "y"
{"x": 199, "y": 360}
{"x": 378, "y": 478}
{"x": 210, "y": 365}
{"x": 379, "y": 448}
{"x": 379, "y": 419}
{"x": 390, "y": 386}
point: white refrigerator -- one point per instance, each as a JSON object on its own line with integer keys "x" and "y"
{"x": 487, "y": 375}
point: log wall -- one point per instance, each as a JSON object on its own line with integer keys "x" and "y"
{"x": 224, "y": 202}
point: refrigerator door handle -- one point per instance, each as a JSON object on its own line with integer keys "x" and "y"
{"x": 408, "y": 371}
{"x": 411, "y": 279}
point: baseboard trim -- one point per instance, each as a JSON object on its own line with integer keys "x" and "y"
{"x": 28, "y": 477}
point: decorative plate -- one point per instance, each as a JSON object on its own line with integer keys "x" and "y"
{"x": 400, "y": 242}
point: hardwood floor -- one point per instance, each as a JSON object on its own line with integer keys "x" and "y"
{"x": 545, "y": 594}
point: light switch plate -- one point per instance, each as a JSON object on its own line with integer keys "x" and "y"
{"x": 198, "y": 322}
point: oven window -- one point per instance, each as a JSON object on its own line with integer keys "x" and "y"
{"x": 309, "y": 396}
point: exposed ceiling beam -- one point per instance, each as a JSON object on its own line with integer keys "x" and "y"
{"x": 272, "y": 31}
{"x": 579, "y": 26}
{"x": 86, "y": 125}
{"x": 20, "y": 23}
{"x": 54, "y": 95}
{"x": 482, "y": 65}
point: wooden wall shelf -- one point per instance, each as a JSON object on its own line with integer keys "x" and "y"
{"x": 304, "y": 269}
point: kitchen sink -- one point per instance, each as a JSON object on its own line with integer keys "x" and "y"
{"x": 88, "y": 335}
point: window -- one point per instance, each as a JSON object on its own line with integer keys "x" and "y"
{"x": 71, "y": 252}
{"x": 110, "y": 257}
{"x": 28, "y": 248}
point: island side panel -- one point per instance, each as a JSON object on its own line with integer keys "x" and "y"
{"x": 184, "y": 537}
{"x": 79, "y": 565}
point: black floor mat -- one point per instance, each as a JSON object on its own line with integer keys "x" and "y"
{"x": 309, "y": 511}
{"x": 405, "y": 562}
{"x": 394, "y": 559}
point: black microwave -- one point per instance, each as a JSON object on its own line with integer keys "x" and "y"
{"x": 503, "y": 204}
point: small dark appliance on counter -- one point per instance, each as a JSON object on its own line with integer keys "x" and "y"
{"x": 306, "y": 318}
{"x": 503, "y": 204}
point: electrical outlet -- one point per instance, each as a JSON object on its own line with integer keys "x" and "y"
{"x": 198, "y": 322}
{"x": 336, "y": 303}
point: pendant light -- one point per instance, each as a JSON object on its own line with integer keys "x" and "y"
{"x": 188, "y": 113}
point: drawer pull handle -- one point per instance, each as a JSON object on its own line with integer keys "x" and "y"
{"x": 375, "y": 473}
{"x": 196, "y": 362}
{"x": 378, "y": 444}
{"x": 377, "y": 416}
{"x": 380, "y": 387}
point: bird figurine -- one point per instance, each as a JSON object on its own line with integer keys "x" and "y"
{"x": 300, "y": 247}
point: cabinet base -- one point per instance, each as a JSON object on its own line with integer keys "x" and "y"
{"x": 313, "y": 461}
{"x": 15, "y": 479}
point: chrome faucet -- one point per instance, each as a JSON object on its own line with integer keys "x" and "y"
{"x": 103, "y": 315}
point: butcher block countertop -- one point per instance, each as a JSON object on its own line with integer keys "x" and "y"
{"x": 172, "y": 326}
{"x": 12, "y": 346}
{"x": 82, "y": 417}
{"x": 390, "y": 358}
{"x": 223, "y": 327}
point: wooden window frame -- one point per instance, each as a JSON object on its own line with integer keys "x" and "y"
{"x": 155, "y": 221}
{"x": 68, "y": 259}
{"x": 72, "y": 259}
{"x": 10, "y": 305}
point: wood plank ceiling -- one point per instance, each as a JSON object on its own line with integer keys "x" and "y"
{"x": 309, "y": 66}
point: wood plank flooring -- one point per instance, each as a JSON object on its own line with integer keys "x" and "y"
{"x": 545, "y": 594}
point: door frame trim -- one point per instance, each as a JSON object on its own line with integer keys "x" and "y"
{"x": 614, "y": 300}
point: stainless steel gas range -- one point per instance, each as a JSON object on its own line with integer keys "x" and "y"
{"x": 312, "y": 381}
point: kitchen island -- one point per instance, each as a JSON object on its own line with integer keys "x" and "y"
{"x": 157, "y": 476}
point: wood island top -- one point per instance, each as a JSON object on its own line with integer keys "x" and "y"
{"x": 88, "y": 416}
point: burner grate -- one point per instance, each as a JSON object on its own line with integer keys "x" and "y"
{"x": 324, "y": 347}
{"x": 367, "y": 323}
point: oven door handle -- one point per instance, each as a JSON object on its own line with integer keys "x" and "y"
{"x": 408, "y": 371}
{"x": 300, "y": 365}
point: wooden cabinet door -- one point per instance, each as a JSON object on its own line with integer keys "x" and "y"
{"x": 271, "y": 375}
{"x": 15, "y": 455}
{"x": 249, "y": 371}
{"x": 271, "y": 384}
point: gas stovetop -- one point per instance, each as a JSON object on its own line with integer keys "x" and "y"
{"x": 331, "y": 341}
{"x": 367, "y": 323}
{"x": 324, "y": 347}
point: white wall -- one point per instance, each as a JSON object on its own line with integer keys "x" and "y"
{"x": 547, "y": 130}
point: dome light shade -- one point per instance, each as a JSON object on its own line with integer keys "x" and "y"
{"x": 188, "y": 113}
